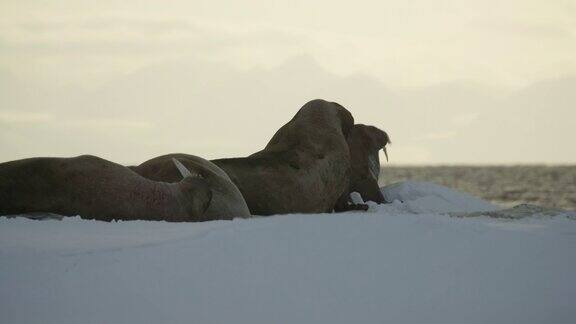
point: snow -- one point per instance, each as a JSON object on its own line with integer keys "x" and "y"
{"x": 405, "y": 262}
{"x": 425, "y": 197}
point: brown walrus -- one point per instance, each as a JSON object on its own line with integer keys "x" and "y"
{"x": 227, "y": 201}
{"x": 365, "y": 142}
{"x": 95, "y": 188}
{"x": 304, "y": 168}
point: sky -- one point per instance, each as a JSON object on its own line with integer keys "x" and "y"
{"x": 452, "y": 82}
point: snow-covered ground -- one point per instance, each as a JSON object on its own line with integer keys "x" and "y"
{"x": 411, "y": 261}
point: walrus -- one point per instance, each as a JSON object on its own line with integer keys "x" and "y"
{"x": 365, "y": 142}
{"x": 304, "y": 168}
{"x": 227, "y": 201}
{"x": 95, "y": 188}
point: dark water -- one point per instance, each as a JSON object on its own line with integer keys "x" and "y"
{"x": 547, "y": 186}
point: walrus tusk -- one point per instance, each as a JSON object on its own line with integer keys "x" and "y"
{"x": 386, "y": 153}
{"x": 183, "y": 170}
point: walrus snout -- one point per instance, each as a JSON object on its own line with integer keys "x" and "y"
{"x": 195, "y": 197}
{"x": 196, "y": 191}
{"x": 372, "y": 137}
{"x": 383, "y": 139}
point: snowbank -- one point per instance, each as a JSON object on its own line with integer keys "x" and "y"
{"x": 412, "y": 197}
{"x": 397, "y": 263}
{"x": 425, "y": 197}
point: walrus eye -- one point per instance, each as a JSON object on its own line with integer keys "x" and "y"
{"x": 183, "y": 170}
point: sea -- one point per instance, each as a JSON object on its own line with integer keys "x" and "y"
{"x": 543, "y": 185}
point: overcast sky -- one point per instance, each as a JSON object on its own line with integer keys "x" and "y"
{"x": 452, "y": 81}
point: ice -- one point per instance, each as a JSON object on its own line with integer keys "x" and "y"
{"x": 410, "y": 261}
{"x": 356, "y": 198}
{"x": 425, "y": 197}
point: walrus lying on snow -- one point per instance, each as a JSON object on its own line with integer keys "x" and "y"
{"x": 304, "y": 168}
{"x": 227, "y": 201}
{"x": 95, "y": 188}
{"x": 365, "y": 142}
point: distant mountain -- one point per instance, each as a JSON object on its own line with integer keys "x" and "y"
{"x": 214, "y": 110}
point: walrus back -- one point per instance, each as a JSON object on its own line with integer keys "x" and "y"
{"x": 97, "y": 189}
{"x": 26, "y": 180}
{"x": 304, "y": 167}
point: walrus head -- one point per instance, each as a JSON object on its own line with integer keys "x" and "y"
{"x": 370, "y": 137}
{"x": 365, "y": 142}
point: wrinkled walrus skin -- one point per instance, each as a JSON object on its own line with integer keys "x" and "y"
{"x": 227, "y": 201}
{"x": 365, "y": 142}
{"x": 304, "y": 168}
{"x": 95, "y": 188}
